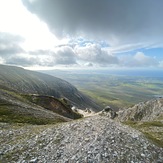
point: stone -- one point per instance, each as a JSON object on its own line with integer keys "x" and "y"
{"x": 34, "y": 160}
{"x": 142, "y": 154}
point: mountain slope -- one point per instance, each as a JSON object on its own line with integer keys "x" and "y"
{"x": 30, "y": 82}
{"x": 15, "y": 109}
{"x": 145, "y": 111}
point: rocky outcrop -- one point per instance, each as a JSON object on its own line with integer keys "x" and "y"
{"x": 112, "y": 113}
{"x": 16, "y": 109}
{"x": 59, "y": 106}
{"x": 145, "y": 111}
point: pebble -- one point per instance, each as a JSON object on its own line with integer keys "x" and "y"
{"x": 34, "y": 160}
{"x": 142, "y": 154}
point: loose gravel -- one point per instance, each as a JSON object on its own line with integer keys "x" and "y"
{"x": 96, "y": 139}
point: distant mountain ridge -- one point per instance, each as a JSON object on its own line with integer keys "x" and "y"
{"x": 25, "y": 81}
{"x": 151, "y": 110}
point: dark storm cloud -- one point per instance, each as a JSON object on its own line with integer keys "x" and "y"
{"x": 118, "y": 21}
{"x": 10, "y": 44}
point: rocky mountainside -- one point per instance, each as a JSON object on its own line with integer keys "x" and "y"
{"x": 96, "y": 139}
{"x": 61, "y": 107}
{"x": 146, "y": 117}
{"x": 29, "y": 82}
{"x": 32, "y": 103}
{"x": 16, "y": 109}
{"x": 145, "y": 111}
{"x": 35, "y": 98}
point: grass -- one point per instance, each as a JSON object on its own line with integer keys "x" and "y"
{"x": 7, "y": 115}
{"x": 108, "y": 98}
{"x": 115, "y": 90}
{"x": 153, "y": 130}
{"x": 154, "y": 139}
{"x": 153, "y": 123}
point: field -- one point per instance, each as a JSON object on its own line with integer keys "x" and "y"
{"x": 118, "y": 91}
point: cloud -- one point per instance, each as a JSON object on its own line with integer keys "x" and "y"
{"x": 22, "y": 60}
{"x": 65, "y": 55}
{"x": 161, "y": 64}
{"x": 10, "y": 44}
{"x": 138, "y": 60}
{"x": 1, "y": 60}
{"x": 60, "y": 56}
{"x": 118, "y": 22}
{"x": 95, "y": 54}
{"x": 94, "y": 33}
{"x": 88, "y": 64}
{"x": 128, "y": 47}
{"x": 88, "y": 54}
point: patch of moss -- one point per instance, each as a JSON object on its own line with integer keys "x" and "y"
{"x": 154, "y": 139}
{"x": 152, "y": 123}
{"x": 144, "y": 124}
{"x": 130, "y": 123}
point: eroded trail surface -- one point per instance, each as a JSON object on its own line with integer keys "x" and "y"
{"x": 95, "y": 139}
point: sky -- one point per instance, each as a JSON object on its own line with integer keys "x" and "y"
{"x": 81, "y": 34}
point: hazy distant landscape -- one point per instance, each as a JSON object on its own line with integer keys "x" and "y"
{"x": 115, "y": 88}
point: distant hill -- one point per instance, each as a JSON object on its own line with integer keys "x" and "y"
{"x": 151, "y": 110}
{"x": 36, "y": 98}
{"x": 30, "y": 82}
